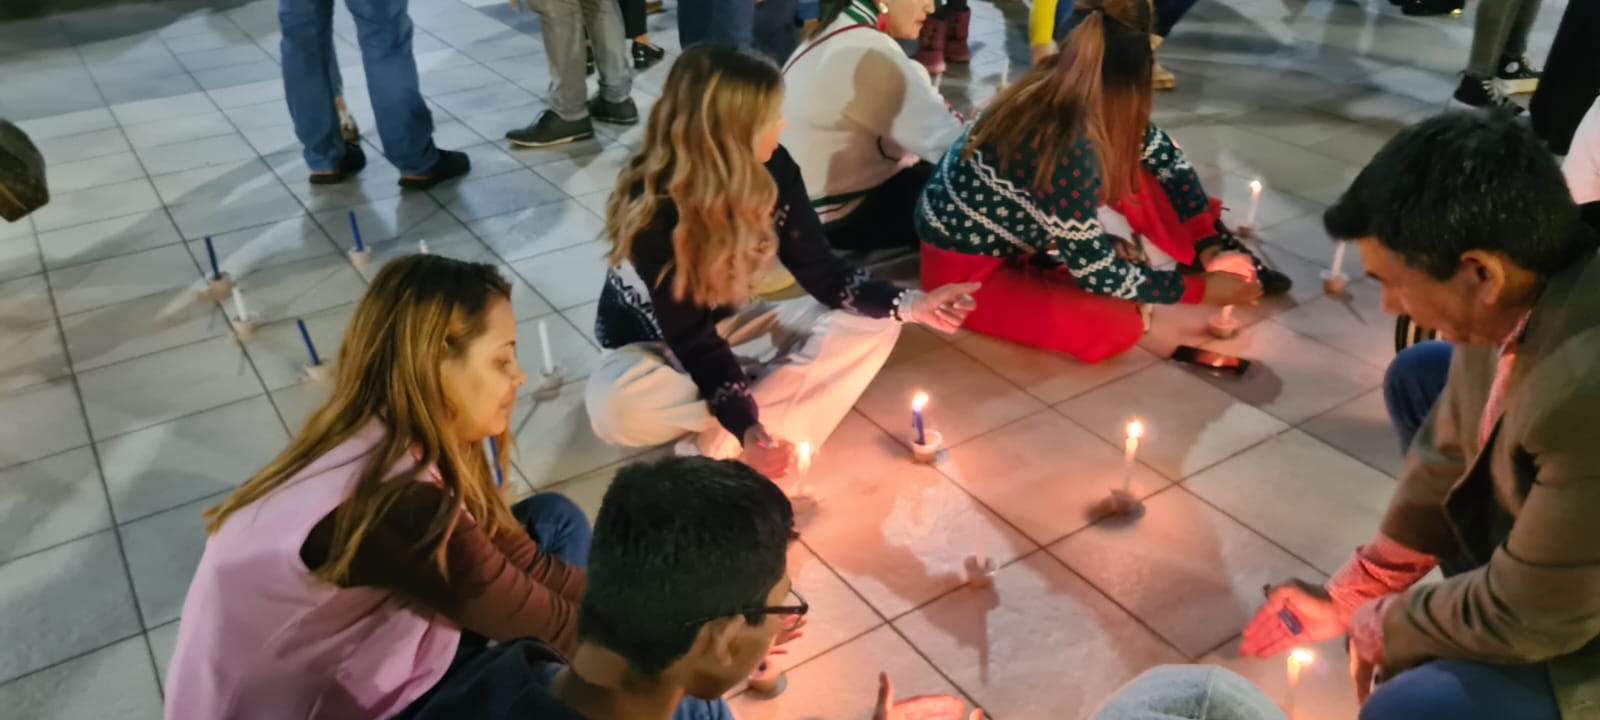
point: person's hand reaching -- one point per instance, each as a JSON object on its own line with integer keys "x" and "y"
{"x": 944, "y": 308}
{"x": 1225, "y": 288}
{"x": 1270, "y": 632}
{"x": 766, "y": 455}
{"x": 927, "y": 707}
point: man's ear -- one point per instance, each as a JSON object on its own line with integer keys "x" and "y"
{"x": 719, "y": 636}
{"x": 1488, "y": 273}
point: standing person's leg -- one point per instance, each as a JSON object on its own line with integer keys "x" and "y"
{"x": 567, "y": 120}
{"x": 635, "y": 24}
{"x": 1515, "y": 72}
{"x": 1457, "y": 690}
{"x": 1489, "y": 32}
{"x": 775, "y": 31}
{"x": 716, "y": 22}
{"x": 1572, "y": 78}
{"x": 307, "y": 52}
{"x": 1411, "y": 386}
{"x": 1169, "y": 12}
{"x": 405, "y": 125}
{"x": 603, "y": 21}
{"x": 558, "y": 525}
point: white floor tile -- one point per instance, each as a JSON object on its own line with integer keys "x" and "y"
{"x": 965, "y": 399}
{"x": 51, "y": 501}
{"x": 166, "y": 385}
{"x": 116, "y": 681}
{"x": 99, "y": 203}
{"x": 569, "y": 277}
{"x": 284, "y": 292}
{"x": 198, "y": 456}
{"x": 163, "y": 551}
{"x": 106, "y": 238}
{"x": 1361, "y": 429}
{"x": 19, "y": 257}
{"x": 1051, "y": 377}
{"x": 581, "y": 175}
{"x": 475, "y": 198}
{"x": 554, "y": 441}
{"x": 55, "y": 422}
{"x": 1355, "y": 323}
{"x": 1291, "y": 377}
{"x": 279, "y": 352}
{"x": 133, "y": 328}
{"x": 63, "y": 602}
{"x": 844, "y": 682}
{"x": 168, "y": 108}
{"x": 539, "y": 229}
{"x": 33, "y": 355}
{"x": 166, "y": 270}
{"x": 69, "y": 148}
{"x": 163, "y": 643}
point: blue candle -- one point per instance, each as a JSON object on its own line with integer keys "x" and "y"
{"x": 356, "y": 231}
{"x": 917, "y": 404}
{"x": 494, "y": 462}
{"x": 1290, "y": 621}
{"x": 211, "y": 252}
{"x": 310, "y": 348}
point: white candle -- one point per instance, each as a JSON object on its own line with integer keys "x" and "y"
{"x": 1255, "y": 202}
{"x": 1130, "y": 451}
{"x": 238, "y": 305}
{"x": 1227, "y": 314}
{"x": 544, "y": 348}
{"x": 1298, "y": 659}
{"x": 1005, "y": 72}
{"x": 977, "y": 526}
{"x": 803, "y": 466}
{"x": 1338, "y": 259}
{"x": 422, "y": 246}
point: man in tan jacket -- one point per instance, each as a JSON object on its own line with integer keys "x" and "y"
{"x": 1468, "y": 225}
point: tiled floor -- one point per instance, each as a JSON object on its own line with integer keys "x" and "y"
{"x": 129, "y": 408}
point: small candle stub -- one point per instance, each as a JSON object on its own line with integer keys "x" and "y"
{"x": 361, "y": 258}
{"x": 550, "y": 384}
{"x": 1334, "y": 283}
{"x": 927, "y": 450}
{"x": 979, "y": 571}
{"x": 319, "y": 372}
{"x": 220, "y": 288}
{"x": 768, "y": 680}
{"x": 1222, "y": 325}
{"x": 243, "y": 329}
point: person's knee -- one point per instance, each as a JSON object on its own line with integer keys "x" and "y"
{"x": 1420, "y": 694}
{"x": 1412, "y": 372}
{"x": 610, "y": 414}
{"x": 552, "y": 508}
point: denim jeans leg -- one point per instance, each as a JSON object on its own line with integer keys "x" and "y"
{"x": 1412, "y": 385}
{"x": 603, "y": 21}
{"x": 405, "y": 125}
{"x": 1457, "y": 690}
{"x": 716, "y": 22}
{"x": 558, "y": 525}
{"x": 307, "y": 50}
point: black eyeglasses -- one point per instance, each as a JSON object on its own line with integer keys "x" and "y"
{"x": 797, "y": 610}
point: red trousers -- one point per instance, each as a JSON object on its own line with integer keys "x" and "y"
{"x": 1046, "y": 308}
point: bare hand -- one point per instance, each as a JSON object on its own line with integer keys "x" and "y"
{"x": 945, "y": 308}
{"x": 927, "y": 707}
{"x": 1362, "y": 673}
{"x": 1224, "y": 288}
{"x": 765, "y": 455}
{"x": 1269, "y": 632}
{"x": 1127, "y": 250}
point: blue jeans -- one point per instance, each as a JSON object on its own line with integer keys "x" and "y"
{"x": 558, "y": 525}
{"x": 405, "y": 125}
{"x": 1452, "y": 689}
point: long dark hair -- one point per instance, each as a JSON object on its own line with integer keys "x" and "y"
{"x": 1097, "y": 86}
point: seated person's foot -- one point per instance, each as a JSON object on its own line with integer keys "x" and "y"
{"x": 616, "y": 113}
{"x": 645, "y": 55}
{"x": 550, "y": 129}
{"x": 450, "y": 165}
{"x": 1272, "y": 281}
{"x": 354, "y": 161}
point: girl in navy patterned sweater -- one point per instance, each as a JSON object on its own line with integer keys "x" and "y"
{"x": 1014, "y": 203}
{"x": 701, "y": 212}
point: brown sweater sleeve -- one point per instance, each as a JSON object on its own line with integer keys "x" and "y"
{"x": 495, "y": 590}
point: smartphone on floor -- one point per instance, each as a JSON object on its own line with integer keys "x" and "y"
{"x": 1213, "y": 361}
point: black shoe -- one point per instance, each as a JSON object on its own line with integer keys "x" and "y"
{"x": 1272, "y": 281}
{"x": 1428, "y": 8}
{"x": 646, "y": 56}
{"x": 1484, "y": 94}
{"x": 1517, "y": 76}
{"x": 550, "y": 129}
{"x": 450, "y": 165}
{"x": 619, "y": 113}
{"x": 588, "y": 63}
{"x": 354, "y": 161}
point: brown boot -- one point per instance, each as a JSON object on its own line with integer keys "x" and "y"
{"x": 956, "y": 49}
{"x": 930, "y": 49}
{"x": 1160, "y": 79}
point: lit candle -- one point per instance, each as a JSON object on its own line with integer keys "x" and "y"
{"x": 211, "y": 252}
{"x": 1130, "y": 451}
{"x": 1338, "y": 259}
{"x": 422, "y": 246}
{"x": 1255, "y": 202}
{"x": 238, "y": 305}
{"x": 1298, "y": 659}
{"x": 917, "y": 404}
{"x": 310, "y": 347}
{"x": 494, "y": 461}
{"x": 355, "y": 230}
{"x": 803, "y": 466}
{"x": 544, "y": 348}
{"x": 1227, "y": 314}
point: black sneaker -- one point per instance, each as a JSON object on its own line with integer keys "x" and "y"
{"x": 450, "y": 165}
{"x": 550, "y": 129}
{"x": 1517, "y": 76}
{"x": 1484, "y": 94}
{"x": 646, "y": 56}
{"x": 618, "y": 113}
{"x": 1272, "y": 281}
{"x": 1428, "y": 8}
{"x": 354, "y": 161}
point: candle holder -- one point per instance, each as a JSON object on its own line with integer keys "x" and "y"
{"x": 361, "y": 259}
{"x": 1334, "y": 283}
{"x": 1222, "y": 325}
{"x": 220, "y": 287}
{"x": 1247, "y": 232}
{"x": 320, "y": 372}
{"x": 1120, "y": 503}
{"x": 925, "y": 452}
{"x": 980, "y": 571}
{"x": 550, "y": 383}
{"x": 768, "y": 681}
{"x": 243, "y": 328}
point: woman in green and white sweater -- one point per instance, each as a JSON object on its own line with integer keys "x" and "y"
{"x": 1014, "y": 204}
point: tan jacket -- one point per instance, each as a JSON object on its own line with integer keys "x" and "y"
{"x": 1524, "y": 510}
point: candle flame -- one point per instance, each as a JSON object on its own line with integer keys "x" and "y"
{"x": 1255, "y": 186}
{"x": 1135, "y": 430}
{"x": 804, "y": 461}
{"x": 1302, "y": 656}
{"x": 920, "y": 401}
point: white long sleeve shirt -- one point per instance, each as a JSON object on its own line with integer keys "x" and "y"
{"x": 859, "y": 110}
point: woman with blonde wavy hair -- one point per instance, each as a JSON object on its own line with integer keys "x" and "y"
{"x": 706, "y": 206}
{"x": 364, "y": 571}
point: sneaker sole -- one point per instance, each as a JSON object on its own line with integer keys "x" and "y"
{"x": 1524, "y": 86}
{"x": 551, "y": 143}
{"x": 616, "y": 120}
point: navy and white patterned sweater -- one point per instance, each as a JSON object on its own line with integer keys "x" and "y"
{"x": 633, "y": 310}
{"x": 988, "y": 206}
